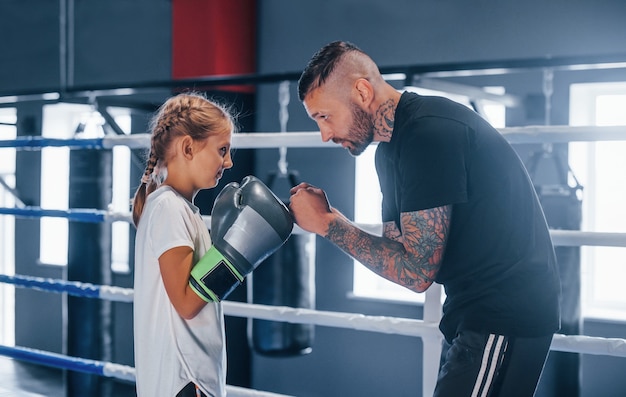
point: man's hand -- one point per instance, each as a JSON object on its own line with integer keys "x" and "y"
{"x": 310, "y": 208}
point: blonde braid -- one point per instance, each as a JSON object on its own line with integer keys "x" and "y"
{"x": 152, "y": 162}
{"x": 158, "y": 134}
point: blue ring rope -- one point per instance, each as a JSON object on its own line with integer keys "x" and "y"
{"x": 38, "y": 142}
{"x": 101, "y": 368}
{"x": 54, "y": 359}
{"x": 52, "y": 285}
{"x": 78, "y": 214}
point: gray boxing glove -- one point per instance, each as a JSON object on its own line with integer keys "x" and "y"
{"x": 248, "y": 224}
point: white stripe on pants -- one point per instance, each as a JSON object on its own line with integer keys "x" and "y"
{"x": 492, "y": 358}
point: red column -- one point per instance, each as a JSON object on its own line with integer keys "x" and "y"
{"x": 213, "y": 38}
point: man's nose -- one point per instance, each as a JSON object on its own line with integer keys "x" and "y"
{"x": 327, "y": 134}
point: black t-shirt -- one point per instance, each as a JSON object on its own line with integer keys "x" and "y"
{"x": 499, "y": 267}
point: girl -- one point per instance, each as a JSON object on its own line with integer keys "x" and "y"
{"x": 179, "y": 338}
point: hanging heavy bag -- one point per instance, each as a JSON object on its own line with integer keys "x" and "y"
{"x": 286, "y": 278}
{"x": 562, "y": 205}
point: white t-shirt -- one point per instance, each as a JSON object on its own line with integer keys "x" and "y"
{"x": 169, "y": 350}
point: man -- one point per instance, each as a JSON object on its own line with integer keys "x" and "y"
{"x": 458, "y": 209}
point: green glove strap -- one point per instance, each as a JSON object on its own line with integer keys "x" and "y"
{"x": 214, "y": 277}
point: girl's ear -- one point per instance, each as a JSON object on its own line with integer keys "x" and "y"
{"x": 186, "y": 144}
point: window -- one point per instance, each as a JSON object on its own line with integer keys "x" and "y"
{"x": 7, "y": 227}
{"x": 367, "y": 284}
{"x": 599, "y": 168}
{"x": 120, "y": 231}
{"x": 61, "y": 121}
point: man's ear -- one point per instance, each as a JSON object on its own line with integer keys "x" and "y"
{"x": 364, "y": 92}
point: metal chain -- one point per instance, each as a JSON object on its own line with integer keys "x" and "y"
{"x": 283, "y": 116}
{"x": 548, "y": 89}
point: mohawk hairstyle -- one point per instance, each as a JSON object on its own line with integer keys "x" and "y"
{"x": 322, "y": 65}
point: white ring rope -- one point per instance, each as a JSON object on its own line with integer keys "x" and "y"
{"x": 300, "y": 139}
{"x": 589, "y": 345}
{"x": 355, "y": 321}
{"x": 515, "y": 135}
{"x": 577, "y": 238}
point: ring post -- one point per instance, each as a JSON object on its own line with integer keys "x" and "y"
{"x": 431, "y": 344}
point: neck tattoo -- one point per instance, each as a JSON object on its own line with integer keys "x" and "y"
{"x": 383, "y": 119}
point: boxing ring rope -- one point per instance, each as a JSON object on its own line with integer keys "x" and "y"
{"x": 264, "y": 140}
{"x": 101, "y": 368}
{"x": 569, "y": 238}
{"x": 354, "y": 321}
{"x": 426, "y": 329}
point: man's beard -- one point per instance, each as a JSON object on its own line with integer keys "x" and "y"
{"x": 361, "y": 131}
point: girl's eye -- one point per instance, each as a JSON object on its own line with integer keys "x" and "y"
{"x": 223, "y": 150}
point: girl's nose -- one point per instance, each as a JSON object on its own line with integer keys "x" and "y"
{"x": 228, "y": 161}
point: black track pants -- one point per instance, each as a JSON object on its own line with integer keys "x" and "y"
{"x": 488, "y": 365}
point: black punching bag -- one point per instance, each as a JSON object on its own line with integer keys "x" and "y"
{"x": 286, "y": 278}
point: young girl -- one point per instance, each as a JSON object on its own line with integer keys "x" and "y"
{"x": 179, "y": 338}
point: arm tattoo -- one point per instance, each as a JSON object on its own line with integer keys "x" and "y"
{"x": 410, "y": 258}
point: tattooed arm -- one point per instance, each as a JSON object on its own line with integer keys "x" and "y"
{"x": 410, "y": 257}
{"x": 423, "y": 236}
